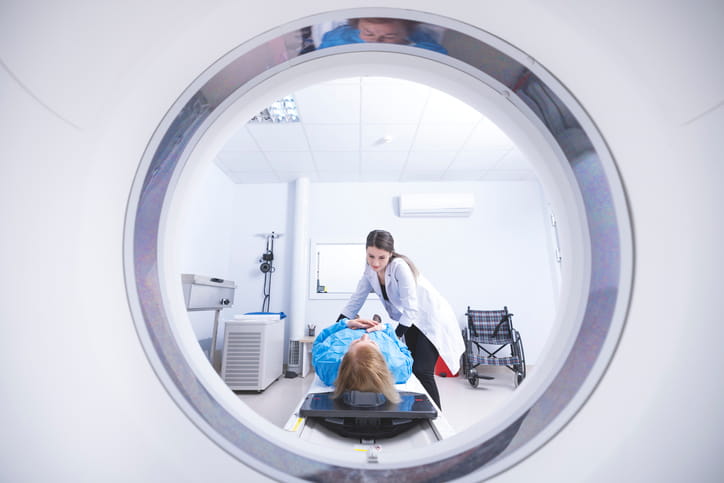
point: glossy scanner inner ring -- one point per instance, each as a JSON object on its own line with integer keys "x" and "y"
{"x": 492, "y": 61}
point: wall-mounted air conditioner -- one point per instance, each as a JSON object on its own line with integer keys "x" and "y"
{"x": 436, "y": 204}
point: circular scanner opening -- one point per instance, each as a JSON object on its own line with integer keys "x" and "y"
{"x": 572, "y": 163}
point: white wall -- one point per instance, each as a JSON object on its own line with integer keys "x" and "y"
{"x": 203, "y": 239}
{"x": 498, "y": 256}
{"x": 260, "y": 210}
{"x": 222, "y": 233}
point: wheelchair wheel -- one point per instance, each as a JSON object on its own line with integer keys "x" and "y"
{"x": 519, "y": 369}
{"x": 473, "y": 378}
{"x": 519, "y": 375}
{"x": 464, "y": 364}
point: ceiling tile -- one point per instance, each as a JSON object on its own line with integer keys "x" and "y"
{"x": 397, "y": 157}
{"x": 392, "y": 101}
{"x": 242, "y": 161}
{"x": 479, "y": 160}
{"x": 383, "y": 161}
{"x": 243, "y": 177}
{"x": 241, "y": 140}
{"x": 279, "y": 137}
{"x": 444, "y": 108}
{"x": 329, "y": 103}
{"x": 381, "y": 176}
{"x": 441, "y": 137}
{"x": 462, "y": 175}
{"x": 290, "y": 161}
{"x": 337, "y": 161}
{"x": 514, "y": 160}
{"x": 487, "y": 135}
{"x": 429, "y": 134}
{"x": 429, "y": 160}
{"x": 508, "y": 175}
{"x": 421, "y": 176}
{"x": 375, "y": 136}
{"x": 333, "y": 137}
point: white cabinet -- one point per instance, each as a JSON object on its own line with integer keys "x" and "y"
{"x": 253, "y": 354}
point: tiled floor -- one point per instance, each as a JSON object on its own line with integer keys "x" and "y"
{"x": 463, "y": 405}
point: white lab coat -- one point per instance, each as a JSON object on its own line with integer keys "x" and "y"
{"x": 413, "y": 302}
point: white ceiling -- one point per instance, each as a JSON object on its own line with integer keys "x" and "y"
{"x": 430, "y": 135}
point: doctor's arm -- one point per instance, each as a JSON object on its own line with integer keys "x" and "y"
{"x": 357, "y": 299}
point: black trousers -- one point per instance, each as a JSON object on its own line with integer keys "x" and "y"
{"x": 424, "y": 358}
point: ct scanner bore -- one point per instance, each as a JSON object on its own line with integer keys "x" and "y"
{"x": 594, "y": 199}
{"x": 649, "y": 74}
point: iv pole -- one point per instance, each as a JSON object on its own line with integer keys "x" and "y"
{"x": 267, "y": 268}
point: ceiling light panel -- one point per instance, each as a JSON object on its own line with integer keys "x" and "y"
{"x": 280, "y": 111}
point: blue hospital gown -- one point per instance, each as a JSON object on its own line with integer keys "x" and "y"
{"x": 332, "y": 343}
{"x": 346, "y": 34}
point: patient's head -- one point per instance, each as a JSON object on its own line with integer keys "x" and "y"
{"x": 363, "y": 368}
{"x": 385, "y": 30}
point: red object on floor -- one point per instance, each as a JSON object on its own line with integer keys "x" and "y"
{"x": 441, "y": 369}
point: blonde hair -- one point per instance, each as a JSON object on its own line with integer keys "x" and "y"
{"x": 363, "y": 368}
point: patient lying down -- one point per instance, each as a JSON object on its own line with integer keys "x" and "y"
{"x": 361, "y": 355}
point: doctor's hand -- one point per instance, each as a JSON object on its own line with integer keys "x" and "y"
{"x": 369, "y": 325}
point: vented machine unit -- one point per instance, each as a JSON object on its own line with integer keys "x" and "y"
{"x": 294, "y": 357}
{"x": 253, "y": 351}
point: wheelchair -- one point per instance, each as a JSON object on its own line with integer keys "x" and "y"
{"x": 488, "y": 328}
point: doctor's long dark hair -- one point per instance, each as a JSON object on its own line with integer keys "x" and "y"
{"x": 383, "y": 240}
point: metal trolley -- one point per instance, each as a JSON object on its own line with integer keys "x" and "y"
{"x": 492, "y": 328}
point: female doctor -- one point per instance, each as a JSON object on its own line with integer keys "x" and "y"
{"x": 424, "y": 317}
